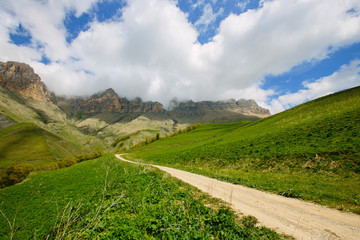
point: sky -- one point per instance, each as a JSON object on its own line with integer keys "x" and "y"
{"x": 280, "y": 53}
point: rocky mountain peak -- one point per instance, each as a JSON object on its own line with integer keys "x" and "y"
{"x": 109, "y": 93}
{"x": 241, "y": 106}
{"x": 109, "y": 101}
{"x": 251, "y": 106}
{"x": 21, "y": 78}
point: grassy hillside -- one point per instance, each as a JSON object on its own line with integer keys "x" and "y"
{"x": 310, "y": 151}
{"x": 24, "y": 142}
{"x": 87, "y": 131}
{"x": 47, "y": 116}
{"x": 134, "y": 126}
{"x": 108, "y": 199}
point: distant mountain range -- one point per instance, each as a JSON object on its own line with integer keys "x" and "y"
{"x": 98, "y": 121}
{"x": 21, "y": 78}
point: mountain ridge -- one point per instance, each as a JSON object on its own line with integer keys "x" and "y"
{"x": 21, "y": 78}
{"x": 109, "y": 101}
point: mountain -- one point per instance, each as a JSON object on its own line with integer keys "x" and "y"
{"x": 185, "y": 111}
{"x": 31, "y": 119}
{"x": 108, "y": 101}
{"x": 101, "y": 119}
{"x": 21, "y": 78}
{"x": 217, "y": 112}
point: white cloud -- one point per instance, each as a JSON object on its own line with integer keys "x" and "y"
{"x": 243, "y": 4}
{"x": 152, "y": 51}
{"x": 10, "y": 51}
{"x": 152, "y": 45}
{"x": 44, "y": 21}
{"x": 346, "y": 77}
{"x": 197, "y": 4}
{"x": 208, "y": 17}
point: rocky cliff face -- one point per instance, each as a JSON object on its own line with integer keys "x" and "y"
{"x": 20, "y": 78}
{"x": 109, "y": 101}
{"x": 242, "y": 106}
{"x": 251, "y": 107}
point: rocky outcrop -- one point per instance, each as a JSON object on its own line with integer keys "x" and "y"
{"x": 109, "y": 101}
{"x": 20, "y": 78}
{"x": 242, "y": 107}
{"x": 251, "y": 107}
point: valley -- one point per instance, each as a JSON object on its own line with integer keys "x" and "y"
{"x": 58, "y": 154}
{"x": 103, "y": 120}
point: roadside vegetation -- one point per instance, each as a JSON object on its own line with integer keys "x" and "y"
{"x": 109, "y": 199}
{"x": 309, "y": 152}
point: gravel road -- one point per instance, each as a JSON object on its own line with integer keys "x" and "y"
{"x": 300, "y": 219}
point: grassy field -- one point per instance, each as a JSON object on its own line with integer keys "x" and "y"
{"x": 108, "y": 199}
{"x": 309, "y": 152}
{"x": 26, "y": 143}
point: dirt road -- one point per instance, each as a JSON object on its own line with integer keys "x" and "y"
{"x": 294, "y": 217}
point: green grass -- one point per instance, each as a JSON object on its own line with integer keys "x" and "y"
{"x": 309, "y": 151}
{"x": 45, "y": 116}
{"x": 109, "y": 199}
{"x": 28, "y": 143}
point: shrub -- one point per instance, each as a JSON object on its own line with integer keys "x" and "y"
{"x": 14, "y": 174}
{"x": 67, "y": 162}
{"x": 90, "y": 156}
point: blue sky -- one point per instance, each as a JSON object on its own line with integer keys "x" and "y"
{"x": 280, "y": 53}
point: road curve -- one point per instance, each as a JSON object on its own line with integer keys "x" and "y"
{"x": 300, "y": 219}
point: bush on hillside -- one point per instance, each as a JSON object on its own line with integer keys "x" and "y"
{"x": 14, "y": 174}
{"x": 89, "y": 156}
{"x": 67, "y": 162}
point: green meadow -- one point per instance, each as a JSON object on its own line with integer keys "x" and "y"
{"x": 109, "y": 199}
{"x": 310, "y": 152}
{"x": 27, "y": 143}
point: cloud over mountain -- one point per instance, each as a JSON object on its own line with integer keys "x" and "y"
{"x": 151, "y": 49}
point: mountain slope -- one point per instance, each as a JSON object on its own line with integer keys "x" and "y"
{"x": 24, "y": 98}
{"x": 27, "y": 143}
{"x": 324, "y": 126}
{"x": 45, "y": 115}
{"x": 316, "y": 139}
